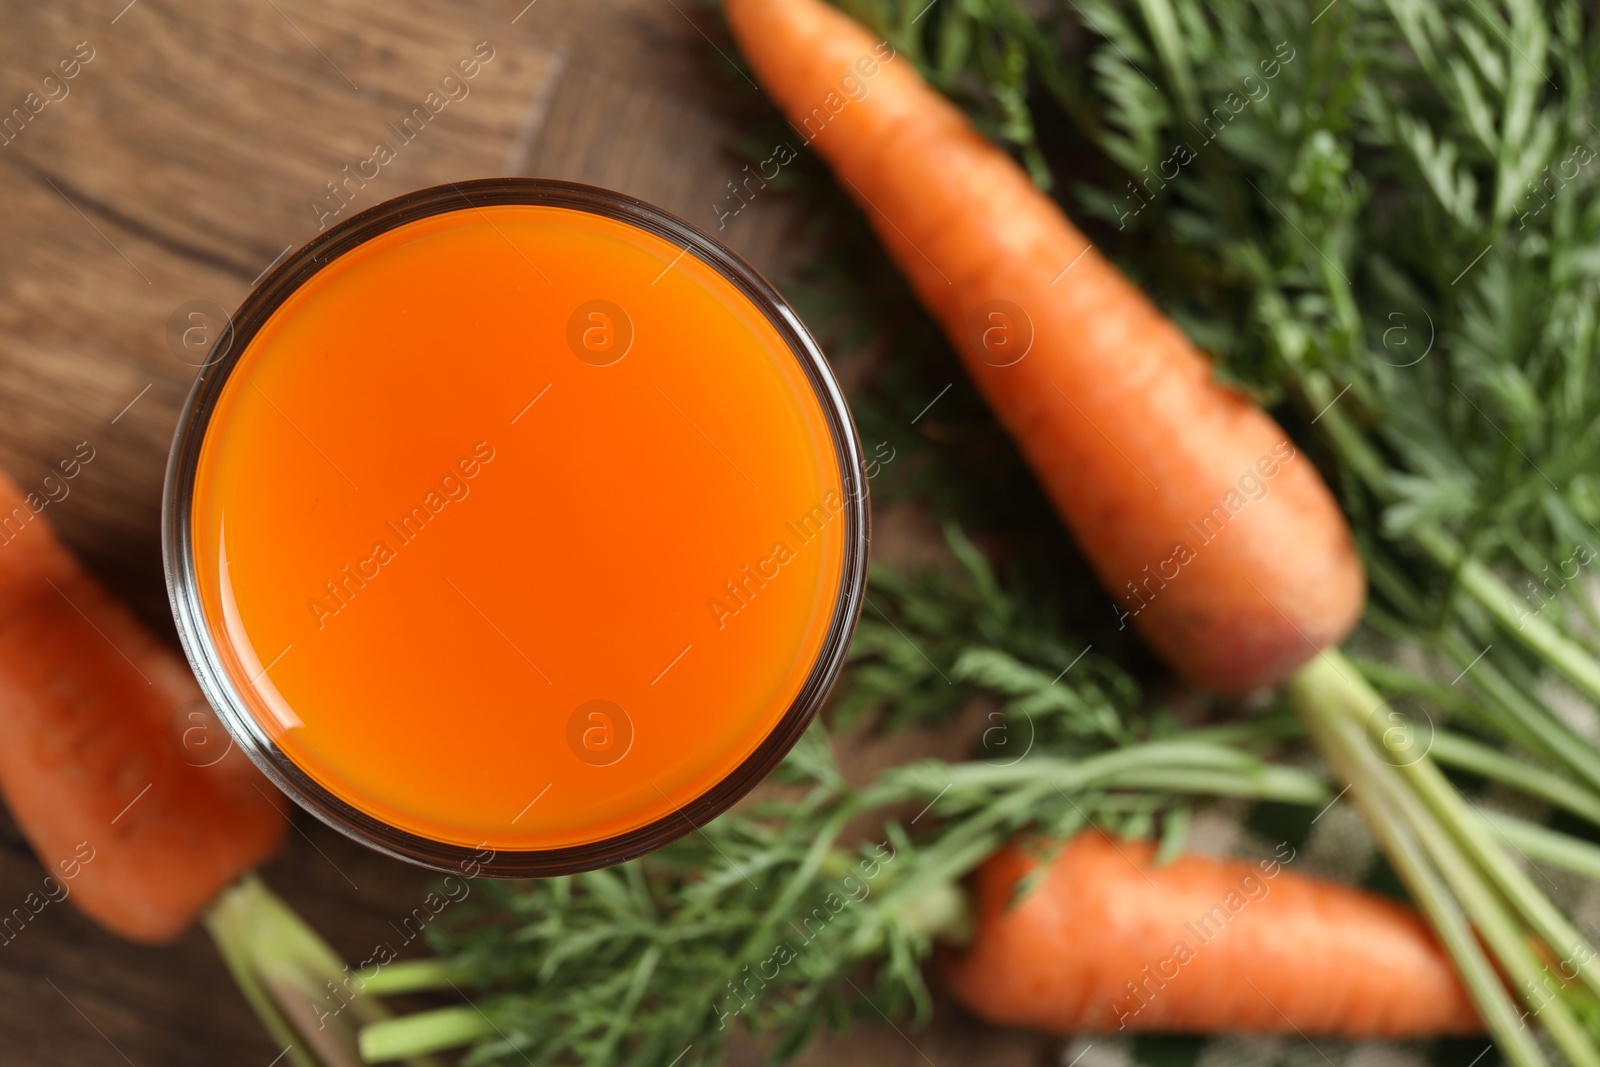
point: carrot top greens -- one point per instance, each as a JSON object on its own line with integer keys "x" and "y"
{"x": 1377, "y": 216}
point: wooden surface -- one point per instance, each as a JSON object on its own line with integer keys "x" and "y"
{"x": 184, "y": 159}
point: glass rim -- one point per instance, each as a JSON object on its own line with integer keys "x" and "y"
{"x": 202, "y": 648}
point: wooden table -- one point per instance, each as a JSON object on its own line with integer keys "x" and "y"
{"x": 189, "y": 152}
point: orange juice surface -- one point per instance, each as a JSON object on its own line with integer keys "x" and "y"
{"x": 518, "y": 525}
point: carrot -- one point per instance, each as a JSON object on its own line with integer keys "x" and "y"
{"x": 125, "y": 803}
{"x": 1221, "y": 542}
{"x": 1107, "y": 940}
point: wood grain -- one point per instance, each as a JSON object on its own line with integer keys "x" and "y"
{"x": 185, "y": 158}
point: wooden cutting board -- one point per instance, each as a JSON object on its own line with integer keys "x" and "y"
{"x": 191, "y": 147}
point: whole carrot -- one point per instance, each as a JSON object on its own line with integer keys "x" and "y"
{"x": 1220, "y": 540}
{"x": 1107, "y": 940}
{"x": 130, "y": 803}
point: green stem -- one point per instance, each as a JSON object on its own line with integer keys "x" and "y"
{"x": 295, "y": 982}
{"x": 1158, "y": 756}
{"x": 223, "y": 921}
{"x": 1315, "y": 691}
{"x": 1268, "y": 730}
{"x": 1501, "y": 707}
{"x": 415, "y": 976}
{"x": 1464, "y": 754}
{"x": 1511, "y": 612}
{"x": 1359, "y": 702}
{"x": 1388, "y": 678}
{"x": 1347, "y": 439}
{"x": 1498, "y": 926}
{"x": 1473, "y": 834}
{"x": 1284, "y": 784}
{"x": 1534, "y": 723}
{"x": 1546, "y": 845}
{"x": 422, "y": 1032}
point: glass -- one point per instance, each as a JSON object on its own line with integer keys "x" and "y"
{"x": 599, "y": 334}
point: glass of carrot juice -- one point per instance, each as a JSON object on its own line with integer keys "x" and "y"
{"x": 515, "y": 525}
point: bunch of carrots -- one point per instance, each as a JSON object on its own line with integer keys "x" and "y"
{"x": 1139, "y": 448}
{"x": 1147, "y": 458}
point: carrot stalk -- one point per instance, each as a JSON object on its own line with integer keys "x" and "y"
{"x": 248, "y": 931}
{"x": 1473, "y": 836}
{"x": 415, "y": 976}
{"x": 1345, "y": 749}
{"x": 1453, "y": 750}
{"x": 129, "y": 794}
{"x": 1480, "y": 844}
{"x": 1398, "y": 791}
{"x": 1521, "y": 717}
{"x": 1546, "y": 845}
{"x": 423, "y": 1032}
{"x": 1221, "y": 542}
{"x": 1511, "y": 611}
{"x": 296, "y": 983}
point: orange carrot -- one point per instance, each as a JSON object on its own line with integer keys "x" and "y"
{"x": 120, "y": 792}
{"x": 1107, "y": 940}
{"x": 1222, "y": 543}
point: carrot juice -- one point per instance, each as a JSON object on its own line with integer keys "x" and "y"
{"x": 518, "y": 518}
